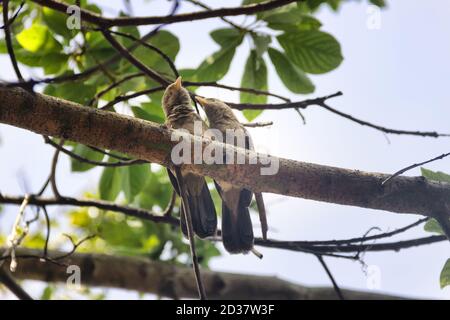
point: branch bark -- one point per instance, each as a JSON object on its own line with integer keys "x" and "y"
{"x": 169, "y": 280}
{"x": 191, "y": 16}
{"x": 152, "y": 142}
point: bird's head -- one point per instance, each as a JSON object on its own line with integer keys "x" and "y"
{"x": 216, "y": 110}
{"x": 175, "y": 95}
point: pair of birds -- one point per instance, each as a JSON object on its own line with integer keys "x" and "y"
{"x": 237, "y": 230}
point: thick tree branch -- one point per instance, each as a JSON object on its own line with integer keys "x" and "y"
{"x": 191, "y": 16}
{"x": 169, "y": 280}
{"x": 149, "y": 141}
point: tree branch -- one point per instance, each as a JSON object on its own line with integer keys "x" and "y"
{"x": 168, "y": 280}
{"x": 191, "y": 16}
{"x": 149, "y": 141}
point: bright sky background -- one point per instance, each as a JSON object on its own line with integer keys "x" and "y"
{"x": 396, "y": 76}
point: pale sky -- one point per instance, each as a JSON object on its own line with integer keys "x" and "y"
{"x": 396, "y": 76}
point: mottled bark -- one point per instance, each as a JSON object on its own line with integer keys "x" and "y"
{"x": 149, "y": 141}
{"x": 169, "y": 280}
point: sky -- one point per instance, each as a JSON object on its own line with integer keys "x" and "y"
{"x": 395, "y": 75}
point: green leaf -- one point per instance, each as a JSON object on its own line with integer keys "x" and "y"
{"x": 216, "y": 66}
{"x": 167, "y": 43}
{"x": 292, "y": 77}
{"x": 38, "y": 38}
{"x": 110, "y": 183}
{"x": 134, "y": 179}
{"x": 87, "y": 153}
{"x": 261, "y": 42}
{"x": 75, "y": 91}
{"x": 435, "y": 176}
{"x": 445, "y": 275}
{"x": 47, "y": 293}
{"x": 312, "y": 50}
{"x": 379, "y": 3}
{"x": 226, "y": 36}
{"x": 433, "y": 226}
{"x": 255, "y": 77}
{"x": 142, "y": 114}
{"x": 57, "y": 22}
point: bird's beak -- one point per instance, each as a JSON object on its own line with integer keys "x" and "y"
{"x": 178, "y": 83}
{"x": 202, "y": 101}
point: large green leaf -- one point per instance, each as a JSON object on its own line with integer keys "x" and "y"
{"x": 110, "y": 183}
{"x": 435, "y": 176}
{"x": 87, "y": 153}
{"x": 167, "y": 42}
{"x": 38, "y": 38}
{"x": 292, "y": 77}
{"x": 445, "y": 275}
{"x": 312, "y": 50}
{"x": 433, "y": 226}
{"x": 133, "y": 179}
{"x": 75, "y": 91}
{"x": 57, "y": 22}
{"x": 261, "y": 42}
{"x": 254, "y": 77}
{"x": 216, "y": 66}
{"x": 226, "y": 36}
{"x": 143, "y": 114}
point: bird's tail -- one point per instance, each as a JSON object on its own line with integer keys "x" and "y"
{"x": 237, "y": 230}
{"x": 203, "y": 214}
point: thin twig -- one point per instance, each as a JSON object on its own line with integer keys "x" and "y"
{"x": 171, "y": 204}
{"x": 8, "y": 41}
{"x": 262, "y": 214}
{"x": 53, "y": 169}
{"x": 92, "y": 17}
{"x": 330, "y": 275}
{"x": 93, "y": 162}
{"x": 190, "y": 232}
{"x": 415, "y": 165}
{"x": 433, "y": 134}
{"x": 114, "y": 85}
{"x": 258, "y": 124}
{"x": 133, "y": 60}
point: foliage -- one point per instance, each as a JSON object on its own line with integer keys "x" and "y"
{"x": 433, "y": 226}
{"x": 290, "y": 38}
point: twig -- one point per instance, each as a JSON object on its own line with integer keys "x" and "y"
{"x": 15, "y": 15}
{"x": 151, "y": 47}
{"x": 93, "y": 162}
{"x": 133, "y": 60}
{"x": 114, "y": 85}
{"x": 171, "y": 204}
{"x": 280, "y": 106}
{"x": 330, "y": 275}
{"x": 53, "y": 169}
{"x": 123, "y": 98}
{"x": 47, "y": 237}
{"x": 313, "y": 247}
{"x": 415, "y": 165}
{"x": 191, "y": 16}
{"x": 190, "y": 232}
{"x": 262, "y": 214}
{"x": 8, "y": 41}
{"x": 384, "y": 129}
{"x": 258, "y": 124}
{"x": 215, "y": 84}
{"x": 13, "y": 286}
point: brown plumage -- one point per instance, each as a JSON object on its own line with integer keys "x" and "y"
{"x": 180, "y": 115}
{"x": 237, "y": 230}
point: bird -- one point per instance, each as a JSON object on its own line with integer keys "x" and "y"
{"x": 180, "y": 114}
{"x": 237, "y": 230}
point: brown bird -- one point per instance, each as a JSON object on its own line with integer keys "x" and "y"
{"x": 237, "y": 230}
{"x": 181, "y": 115}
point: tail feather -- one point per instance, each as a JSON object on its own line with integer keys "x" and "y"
{"x": 237, "y": 230}
{"x": 203, "y": 214}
